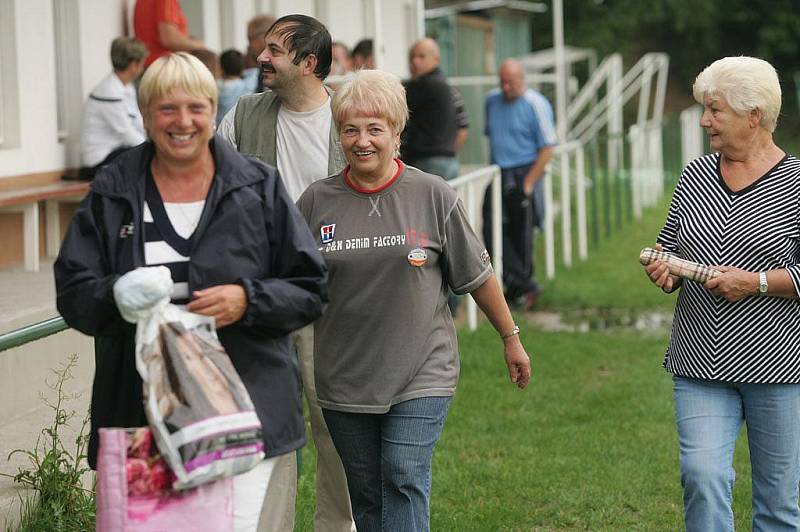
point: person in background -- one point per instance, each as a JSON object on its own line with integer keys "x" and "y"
{"x": 111, "y": 120}
{"x": 256, "y": 29}
{"x": 462, "y": 119}
{"x": 436, "y": 127}
{"x": 386, "y": 357}
{"x": 431, "y": 135}
{"x": 522, "y": 136}
{"x": 237, "y": 249}
{"x": 210, "y": 60}
{"x": 231, "y": 86}
{"x": 363, "y": 55}
{"x": 161, "y": 26}
{"x": 290, "y": 126}
{"x": 342, "y": 62}
{"x": 734, "y": 351}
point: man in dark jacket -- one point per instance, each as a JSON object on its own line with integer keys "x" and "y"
{"x": 437, "y": 125}
{"x": 250, "y": 234}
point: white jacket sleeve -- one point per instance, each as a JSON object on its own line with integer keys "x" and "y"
{"x": 227, "y": 128}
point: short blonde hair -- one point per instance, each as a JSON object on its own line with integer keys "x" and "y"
{"x": 746, "y": 83}
{"x": 178, "y": 70}
{"x": 372, "y": 93}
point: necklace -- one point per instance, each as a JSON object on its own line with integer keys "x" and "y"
{"x": 190, "y": 212}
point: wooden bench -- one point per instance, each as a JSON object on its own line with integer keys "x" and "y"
{"x": 26, "y": 199}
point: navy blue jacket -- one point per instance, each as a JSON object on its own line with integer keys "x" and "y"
{"x": 250, "y": 233}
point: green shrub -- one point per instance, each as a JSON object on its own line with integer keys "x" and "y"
{"x": 59, "y": 501}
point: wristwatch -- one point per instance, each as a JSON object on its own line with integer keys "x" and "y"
{"x": 762, "y": 284}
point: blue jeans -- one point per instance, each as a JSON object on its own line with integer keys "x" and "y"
{"x": 443, "y": 166}
{"x": 709, "y": 415}
{"x": 387, "y": 460}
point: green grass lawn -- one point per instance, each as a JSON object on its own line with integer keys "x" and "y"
{"x": 612, "y": 276}
{"x": 591, "y": 444}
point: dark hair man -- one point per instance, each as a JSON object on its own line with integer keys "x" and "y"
{"x": 291, "y": 127}
{"x": 231, "y": 86}
{"x": 363, "y": 55}
{"x": 232, "y": 63}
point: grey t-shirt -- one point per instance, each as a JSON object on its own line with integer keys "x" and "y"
{"x": 387, "y": 335}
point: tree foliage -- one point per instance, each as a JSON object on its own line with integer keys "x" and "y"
{"x": 694, "y": 33}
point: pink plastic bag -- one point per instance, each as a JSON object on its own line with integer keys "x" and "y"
{"x": 158, "y": 508}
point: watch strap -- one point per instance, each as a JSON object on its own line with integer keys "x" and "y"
{"x": 763, "y": 286}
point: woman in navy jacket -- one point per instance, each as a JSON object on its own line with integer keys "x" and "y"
{"x": 252, "y": 262}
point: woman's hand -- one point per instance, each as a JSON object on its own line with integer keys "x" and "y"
{"x": 225, "y": 303}
{"x": 519, "y": 365}
{"x": 658, "y": 272}
{"x": 490, "y": 299}
{"x": 734, "y": 283}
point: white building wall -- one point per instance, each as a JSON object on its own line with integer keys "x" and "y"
{"x": 221, "y": 23}
{"x": 38, "y": 148}
{"x": 346, "y": 20}
{"x": 287, "y": 7}
{"x": 398, "y": 25}
{"x": 101, "y": 22}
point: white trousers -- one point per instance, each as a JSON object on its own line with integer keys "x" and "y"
{"x": 249, "y": 490}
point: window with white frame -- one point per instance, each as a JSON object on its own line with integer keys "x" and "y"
{"x": 67, "y": 56}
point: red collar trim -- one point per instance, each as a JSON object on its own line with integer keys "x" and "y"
{"x": 346, "y": 174}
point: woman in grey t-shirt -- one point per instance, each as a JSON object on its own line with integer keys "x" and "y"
{"x": 385, "y": 352}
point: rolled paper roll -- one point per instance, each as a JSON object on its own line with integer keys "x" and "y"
{"x": 683, "y": 268}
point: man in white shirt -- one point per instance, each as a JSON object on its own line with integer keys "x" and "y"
{"x": 290, "y": 126}
{"x": 111, "y": 119}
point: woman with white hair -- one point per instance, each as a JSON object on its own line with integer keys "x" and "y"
{"x": 385, "y": 351}
{"x": 734, "y": 351}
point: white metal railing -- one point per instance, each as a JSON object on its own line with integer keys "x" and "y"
{"x": 691, "y": 134}
{"x": 637, "y": 80}
{"x": 647, "y": 166}
{"x": 470, "y": 188}
{"x": 648, "y": 79}
{"x": 570, "y": 155}
{"x": 586, "y": 114}
{"x": 491, "y": 81}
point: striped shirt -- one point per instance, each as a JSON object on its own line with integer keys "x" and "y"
{"x": 168, "y": 231}
{"x": 756, "y": 339}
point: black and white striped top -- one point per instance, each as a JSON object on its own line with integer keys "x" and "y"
{"x": 756, "y": 339}
{"x": 168, "y": 232}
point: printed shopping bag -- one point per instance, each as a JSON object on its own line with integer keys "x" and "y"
{"x": 202, "y": 417}
{"x": 134, "y": 492}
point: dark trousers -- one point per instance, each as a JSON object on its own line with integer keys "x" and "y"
{"x": 87, "y": 172}
{"x": 519, "y": 219}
